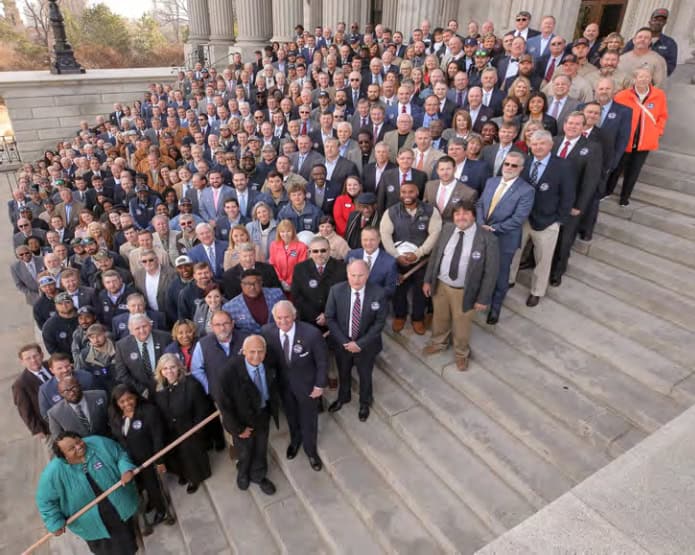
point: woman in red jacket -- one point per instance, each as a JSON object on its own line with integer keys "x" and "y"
{"x": 649, "y": 115}
{"x": 286, "y": 252}
{"x": 345, "y": 203}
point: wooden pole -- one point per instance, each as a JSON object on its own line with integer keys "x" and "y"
{"x": 117, "y": 485}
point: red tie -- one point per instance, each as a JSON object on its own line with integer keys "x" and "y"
{"x": 565, "y": 149}
{"x": 551, "y": 70}
{"x": 303, "y": 131}
{"x": 403, "y": 178}
{"x": 403, "y": 110}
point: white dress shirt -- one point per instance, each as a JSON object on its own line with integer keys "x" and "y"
{"x": 151, "y": 287}
{"x": 290, "y": 336}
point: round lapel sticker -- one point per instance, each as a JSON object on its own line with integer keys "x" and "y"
{"x": 297, "y": 348}
{"x": 544, "y": 187}
{"x": 464, "y": 178}
{"x": 56, "y": 398}
{"x": 611, "y": 115}
{"x": 100, "y": 401}
{"x": 133, "y": 356}
{"x": 390, "y": 188}
{"x": 475, "y": 255}
{"x": 584, "y": 152}
{"x": 137, "y": 424}
{"x": 375, "y": 305}
{"x": 313, "y": 283}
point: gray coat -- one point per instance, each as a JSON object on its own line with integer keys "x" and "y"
{"x": 483, "y": 265}
{"x": 24, "y": 281}
{"x": 61, "y": 417}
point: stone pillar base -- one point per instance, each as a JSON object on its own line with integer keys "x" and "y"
{"x": 247, "y": 48}
{"x": 220, "y": 53}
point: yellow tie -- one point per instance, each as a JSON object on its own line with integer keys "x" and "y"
{"x": 501, "y": 188}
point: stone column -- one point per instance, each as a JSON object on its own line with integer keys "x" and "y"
{"x": 255, "y": 26}
{"x": 313, "y": 13}
{"x": 221, "y": 31}
{"x": 389, "y": 14}
{"x": 286, "y": 15}
{"x": 638, "y": 13}
{"x": 412, "y": 12}
{"x": 340, "y": 10}
{"x": 449, "y": 11}
{"x": 199, "y": 23}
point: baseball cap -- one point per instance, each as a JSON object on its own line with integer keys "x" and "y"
{"x": 482, "y": 53}
{"x": 86, "y": 309}
{"x": 62, "y": 298}
{"x": 181, "y": 260}
{"x": 366, "y": 198}
{"x": 470, "y": 41}
{"x": 524, "y": 13}
{"x": 582, "y": 41}
{"x": 46, "y": 280}
{"x": 141, "y": 188}
{"x": 569, "y": 58}
{"x": 660, "y": 12}
{"x": 254, "y": 138}
{"x": 76, "y": 241}
{"x": 185, "y": 200}
{"x": 103, "y": 254}
{"x": 324, "y": 94}
{"x": 88, "y": 240}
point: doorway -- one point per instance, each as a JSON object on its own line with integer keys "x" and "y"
{"x": 607, "y": 13}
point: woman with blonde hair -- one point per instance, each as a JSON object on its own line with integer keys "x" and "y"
{"x": 262, "y": 227}
{"x": 84, "y": 218}
{"x": 521, "y": 90}
{"x": 183, "y": 404}
{"x": 461, "y": 126}
{"x": 238, "y": 235}
{"x": 286, "y": 251}
{"x": 99, "y": 232}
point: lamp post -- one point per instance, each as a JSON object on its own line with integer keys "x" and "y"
{"x": 64, "y": 57}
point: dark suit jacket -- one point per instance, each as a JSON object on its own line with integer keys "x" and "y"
{"x": 372, "y": 318}
{"x": 489, "y": 153}
{"x": 461, "y": 192}
{"x": 481, "y": 272}
{"x": 509, "y": 215}
{"x": 61, "y": 417}
{"x": 369, "y": 183}
{"x": 199, "y": 254}
{"x": 384, "y": 271}
{"x": 332, "y": 192}
{"x": 312, "y": 158}
{"x": 240, "y": 400}
{"x": 496, "y": 98}
{"x": 308, "y": 365}
{"x": 587, "y": 161}
{"x": 389, "y": 191}
{"x": 166, "y": 276}
{"x": 317, "y": 139}
{"x": 310, "y": 289}
{"x": 485, "y": 113}
{"x": 231, "y": 279}
{"x": 25, "y": 394}
{"x": 616, "y": 129}
{"x": 343, "y": 168}
{"x": 555, "y": 192}
{"x": 128, "y": 363}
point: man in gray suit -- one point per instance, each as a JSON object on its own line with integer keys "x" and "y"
{"x": 460, "y": 277}
{"x": 305, "y": 158}
{"x": 24, "y": 273}
{"x": 560, "y": 104}
{"x": 153, "y": 279}
{"x": 82, "y": 412}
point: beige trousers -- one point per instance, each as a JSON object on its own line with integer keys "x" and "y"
{"x": 544, "y": 242}
{"x": 449, "y": 320}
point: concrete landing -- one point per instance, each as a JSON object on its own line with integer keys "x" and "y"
{"x": 642, "y": 502}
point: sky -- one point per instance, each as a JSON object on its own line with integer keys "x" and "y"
{"x": 132, "y": 9}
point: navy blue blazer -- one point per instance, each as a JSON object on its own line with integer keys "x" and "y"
{"x": 372, "y": 319}
{"x": 332, "y": 192}
{"x": 510, "y": 213}
{"x": 199, "y": 254}
{"x": 616, "y": 128}
{"x": 384, "y": 272}
{"x": 555, "y": 192}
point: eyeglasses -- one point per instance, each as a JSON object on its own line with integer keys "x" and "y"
{"x": 510, "y": 165}
{"x": 557, "y": 43}
{"x": 354, "y": 79}
{"x": 22, "y": 225}
{"x": 319, "y": 251}
{"x": 146, "y": 260}
{"x": 25, "y": 254}
{"x": 186, "y": 224}
{"x": 522, "y": 18}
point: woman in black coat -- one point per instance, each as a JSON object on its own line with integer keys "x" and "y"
{"x": 137, "y": 425}
{"x": 183, "y": 402}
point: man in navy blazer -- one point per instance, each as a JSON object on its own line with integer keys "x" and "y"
{"x": 303, "y": 368}
{"x": 209, "y": 249}
{"x": 356, "y": 314}
{"x": 503, "y": 208}
{"x": 383, "y": 270}
{"x": 208, "y": 209}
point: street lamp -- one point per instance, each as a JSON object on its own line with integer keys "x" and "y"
{"x": 64, "y": 57}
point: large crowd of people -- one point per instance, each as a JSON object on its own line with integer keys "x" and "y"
{"x": 236, "y": 239}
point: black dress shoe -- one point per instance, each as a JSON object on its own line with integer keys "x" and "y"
{"x": 363, "y": 414}
{"x": 555, "y": 281}
{"x": 316, "y": 463}
{"x": 511, "y": 285}
{"x": 492, "y": 318}
{"x": 192, "y": 488}
{"x": 320, "y": 401}
{"x": 532, "y": 300}
{"x": 335, "y": 406}
{"x": 182, "y": 481}
{"x": 170, "y": 520}
{"x": 159, "y": 518}
{"x": 242, "y": 483}
{"x": 292, "y": 451}
{"x": 267, "y": 486}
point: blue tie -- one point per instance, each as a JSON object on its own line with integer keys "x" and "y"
{"x": 604, "y": 113}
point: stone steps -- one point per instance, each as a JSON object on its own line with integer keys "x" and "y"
{"x": 675, "y": 201}
{"x": 652, "y": 216}
{"x": 668, "y": 178}
{"x": 670, "y": 160}
{"x": 653, "y": 241}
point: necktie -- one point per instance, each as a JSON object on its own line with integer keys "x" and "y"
{"x": 215, "y": 196}
{"x": 456, "y": 258}
{"x": 82, "y": 417}
{"x": 403, "y": 178}
{"x": 320, "y": 270}
{"x": 242, "y": 203}
{"x": 534, "y": 172}
{"x": 32, "y": 269}
{"x": 42, "y": 376}
{"x": 403, "y": 110}
{"x": 304, "y": 129}
{"x": 604, "y": 113}
{"x": 259, "y": 385}
{"x": 501, "y": 188}
{"x": 286, "y": 348}
{"x": 364, "y": 122}
{"x": 420, "y": 161}
{"x": 441, "y": 198}
{"x": 585, "y": 133}
{"x": 486, "y": 99}
{"x": 355, "y": 319}
{"x": 551, "y": 70}
{"x": 459, "y": 98}
{"x": 565, "y": 149}
{"x": 499, "y": 159}
{"x": 369, "y": 261}
{"x": 376, "y": 132}
{"x": 355, "y": 97}
{"x": 211, "y": 257}
{"x": 300, "y": 162}
{"x": 555, "y": 110}
{"x": 146, "y": 362}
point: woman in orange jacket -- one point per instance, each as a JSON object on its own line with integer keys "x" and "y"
{"x": 649, "y": 115}
{"x": 286, "y": 252}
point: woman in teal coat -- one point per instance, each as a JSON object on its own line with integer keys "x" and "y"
{"x": 81, "y": 470}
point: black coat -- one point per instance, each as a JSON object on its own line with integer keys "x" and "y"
{"x": 183, "y": 406}
{"x": 588, "y": 166}
{"x": 389, "y": 192}
{"x": 231, "y": 279}
{"x": 240, "y": 402}
{"x": 146, "y": 433}
{"x": 555, "y": 192}
{"x": 310, "y": 289}
{"x": 369, "y": 176}
{"x": 129, "y": 366}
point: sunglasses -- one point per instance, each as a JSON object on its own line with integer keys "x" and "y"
{"x": 319, "y": 251}
{"x": 510, "y": 165}
{"x": 354, "y": 79}
{"x": 24, "y": 254}
{"x": 522, "y": 18}
{"x": 146, "y": 260}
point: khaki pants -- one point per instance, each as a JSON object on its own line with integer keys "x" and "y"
{"x": 448, "y": 319}
{"x": 543, "y": 248}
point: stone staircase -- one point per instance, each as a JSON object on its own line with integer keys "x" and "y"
{"x": 448, "y": 461}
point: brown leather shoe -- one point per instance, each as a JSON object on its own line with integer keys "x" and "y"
{"x": 419, "y": 327}
{"x": 432, "y": 349}
{"x": 462, "y": 363}
{"x": 398, "y": 324}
